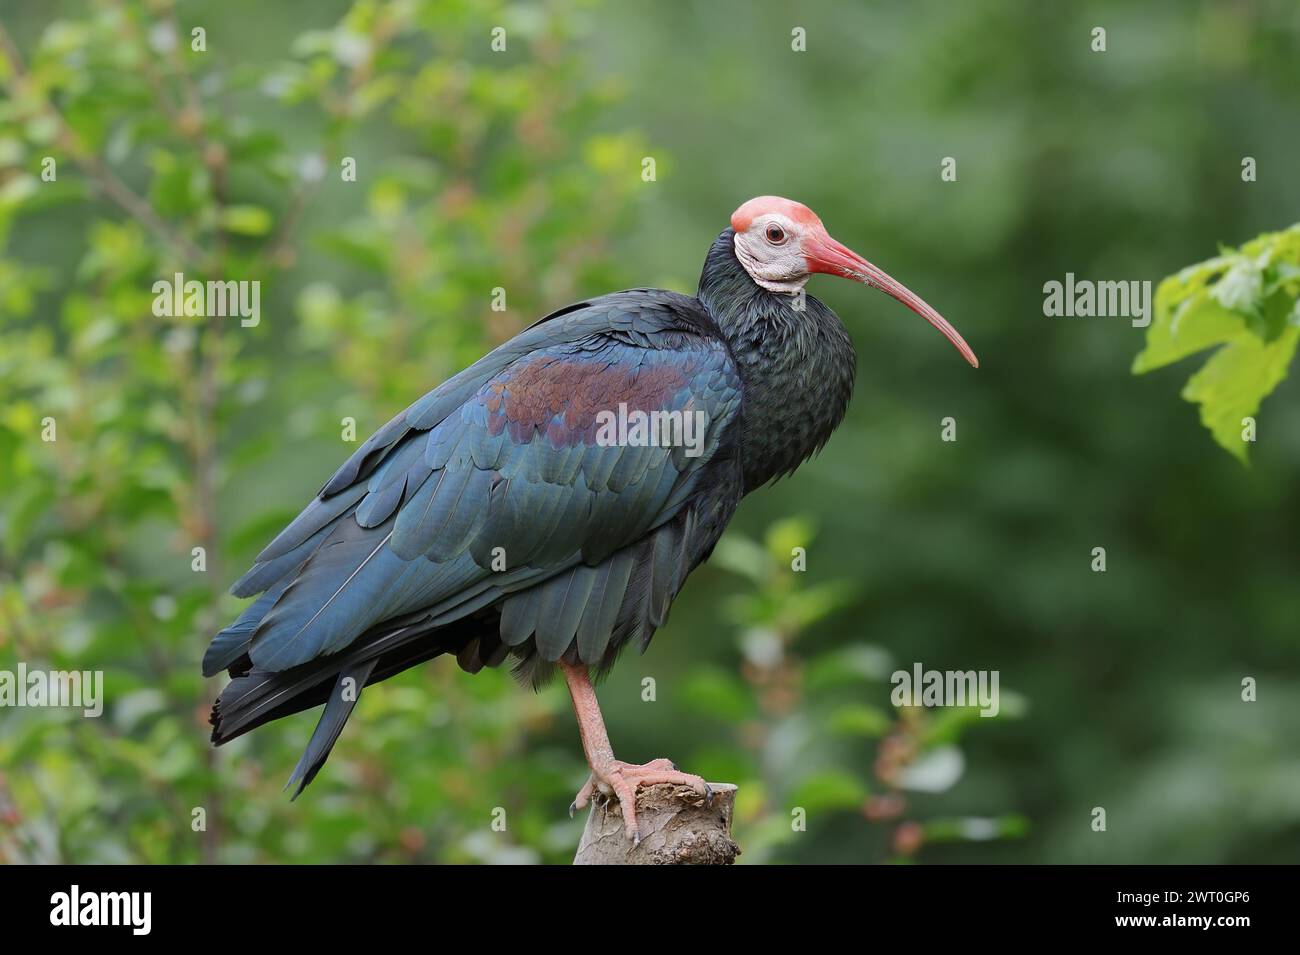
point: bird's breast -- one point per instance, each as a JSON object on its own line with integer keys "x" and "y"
{"x": 795, "y": 394}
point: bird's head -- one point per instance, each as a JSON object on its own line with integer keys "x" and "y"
{"x": 781, "y": 243}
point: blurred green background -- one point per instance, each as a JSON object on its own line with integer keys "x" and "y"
{"x": 522, "y": 169}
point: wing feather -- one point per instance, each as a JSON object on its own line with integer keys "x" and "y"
{"x": 505, "y": 455}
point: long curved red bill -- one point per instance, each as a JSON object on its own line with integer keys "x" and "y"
{"x": 826, "y": 255}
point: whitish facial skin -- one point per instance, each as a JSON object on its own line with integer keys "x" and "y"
{"x": 770, "y": 234}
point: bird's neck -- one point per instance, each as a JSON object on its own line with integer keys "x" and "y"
{"x": 796, "y": 364}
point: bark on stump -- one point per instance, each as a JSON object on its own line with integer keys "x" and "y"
{"x": 677, "y": 828}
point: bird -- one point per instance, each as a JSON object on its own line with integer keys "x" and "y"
{"x": 523, "y": 510}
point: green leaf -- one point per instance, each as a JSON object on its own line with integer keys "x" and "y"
{"x": 246, "y": 220}
{"x": 785, "y": 535}
{"x": 1235, "y": 380}
{"x": 806, "y": 607}
{"x": 741, "y": 555}
{"x": 1241, "y": 285}
{"x": 859, "y": 719}
{"x": 179, "y": 184}
{"x": 1274, "y": 313}
{"x": 851, "y": 664}
{"x": 1244, "y": 300}
{"x": 830, "y": 790}
{"x": 1195, "y": 323}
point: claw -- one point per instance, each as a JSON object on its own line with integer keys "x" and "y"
{"x": 621, "y": 781}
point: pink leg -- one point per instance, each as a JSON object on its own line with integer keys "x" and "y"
{"x": 610, "y": 775}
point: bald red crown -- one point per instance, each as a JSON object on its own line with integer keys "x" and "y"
{"x": 762, "y": 205}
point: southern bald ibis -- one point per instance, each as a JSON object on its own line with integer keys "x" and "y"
{"x": 489, "y": 519}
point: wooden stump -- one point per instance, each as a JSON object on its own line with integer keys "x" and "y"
{"x": 677, "y": 828}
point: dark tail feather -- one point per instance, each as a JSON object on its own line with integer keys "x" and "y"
{"x": 255, "y": 696}
{"x": 342, "y": 699}
{"x": 258, "y": 696}
{"x": 232, "y": 643}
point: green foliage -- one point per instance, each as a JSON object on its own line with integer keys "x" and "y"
{"x": 818, "y": 739}
{"x": 521, "y": 169}
{"x": 1245, "y": 300}
{"x": 175, "y": 433}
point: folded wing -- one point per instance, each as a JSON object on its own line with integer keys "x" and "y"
{"x": 496, "y": 515}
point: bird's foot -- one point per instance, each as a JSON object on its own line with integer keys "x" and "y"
{"x": 621, "y": 779}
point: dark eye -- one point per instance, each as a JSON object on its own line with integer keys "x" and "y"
{"x": 775, "y": 234}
